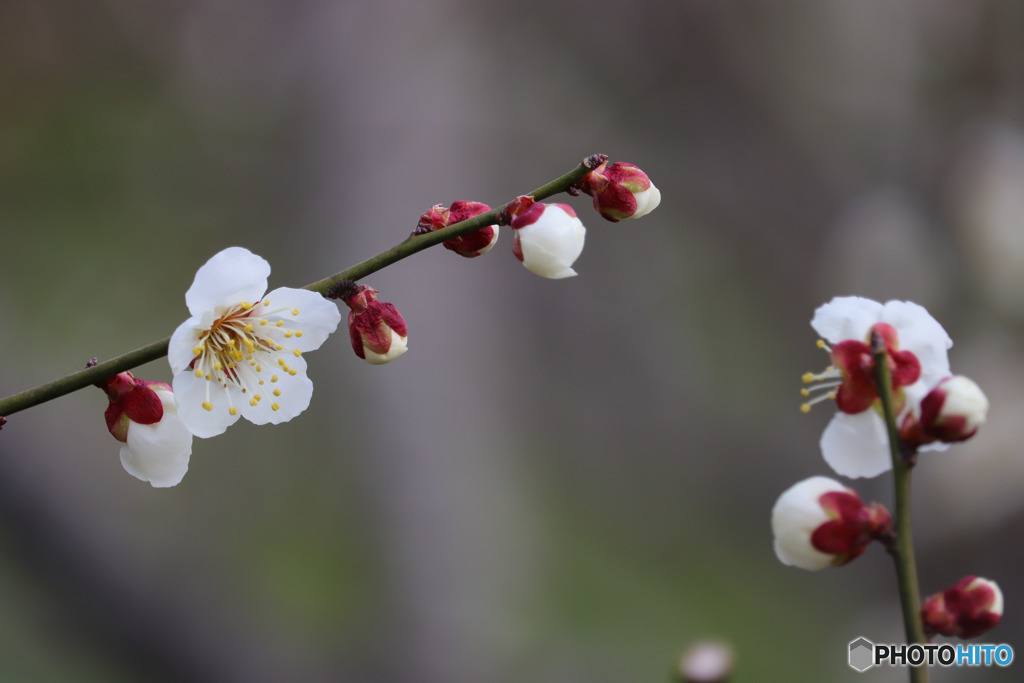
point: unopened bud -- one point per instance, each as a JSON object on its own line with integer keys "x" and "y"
{"x": 967, "y": 609}
{"x": 818, "y": 523}
{"x": 376, "y": 328}
{"x": 469, "y": 245}
{"x": 621, "y": 191}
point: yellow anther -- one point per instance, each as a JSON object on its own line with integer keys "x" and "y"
{"x": 298, "y": 333}
{"x": 257, "y": 397}
{"x": 253, "y": 402}
{"x": 808, "y": 377}
{"x": 207, "y": 405}
{"x": 805, "y": 408}
{"x": 274, "y": 406}
{"x": 280, "y": 361}
{"x": 259, "y": 368}
{"x": 295, "y": 311}
{"x": 293, "y": 372}
{"x": 274, "y": 378}
{"x": 279, "y": 323}
{"x": 217, "y": 367}
{"x": 198, "y": 350}
{"x": 248, "y": 327}
{"x": 278, "y": 347}
{"x": 232, "y": 411}
{"x": 199, "y": 373}
{"x": 231, "y": 343}
{"x": 245, "y": 305}
{"x": 287, "y": 335}
{"x": 263, "y": 322}
{"x": 277, "y": 392}
{"x": 805, "y": 392}
{"x": 297, "y": 353}
{"x": 261, "y": 381}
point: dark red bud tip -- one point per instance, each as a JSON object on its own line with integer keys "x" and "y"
{"x": 516, "y": 207}
{"x": 3, "y": 421}
{"x": 344, "y": 290}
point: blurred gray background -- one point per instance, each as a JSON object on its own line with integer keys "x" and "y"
{"x": 561, "y": 481}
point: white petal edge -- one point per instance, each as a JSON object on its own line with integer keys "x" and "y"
{"x": 180, "y": 349}
{"x": 846, "y": 317}
{"x": 158, "y": 453}
{"x": 856, "y": 445}
{"x": 230, "y": 276}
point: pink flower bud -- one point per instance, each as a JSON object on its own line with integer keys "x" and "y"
{"x": 469, "y": 245}
{"x": 377, "y": 330}
{"x": 818, "y": 522}
{"x": 967, "y": 609}
{"x": 144, "y": 417}
{"x": 621, "y": 191}
{"x": 547, "y": 238}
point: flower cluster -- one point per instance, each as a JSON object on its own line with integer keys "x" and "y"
{"x": 240, "y": 353}
{"x": 819, "y": 522}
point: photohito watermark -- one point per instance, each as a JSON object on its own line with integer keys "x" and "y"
{"x": 864, "y": 654}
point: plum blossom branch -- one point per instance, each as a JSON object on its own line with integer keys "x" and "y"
{"x": 411, "y": 245}
{"x": 902, "y": 548}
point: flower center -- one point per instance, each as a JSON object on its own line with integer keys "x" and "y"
{"x": 244, "y": 350}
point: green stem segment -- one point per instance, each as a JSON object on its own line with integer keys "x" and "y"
{"x": 902, "y": 550}
{"x": 414, "y": 243}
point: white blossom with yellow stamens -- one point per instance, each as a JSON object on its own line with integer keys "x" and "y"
{"x": 240, "y": 354}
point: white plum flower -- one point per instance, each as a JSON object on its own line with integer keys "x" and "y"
{"x": 240, "y": 354}
{"x": 143, "y": 416}
{"x": 855, "y": 442}
{"x": 547, "y": 238}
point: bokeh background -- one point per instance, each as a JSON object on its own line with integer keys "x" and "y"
{"x": 561, "y": 481}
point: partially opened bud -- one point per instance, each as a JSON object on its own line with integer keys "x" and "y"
{"x": 376, "y": 328}
{"x": 469, "y": 245}
{"x": 547, "y": 238}
{"x": 967, "y": 609}
{"x": 144, "y": 416}
{"x": 621, "y": 191}
{"x": 818, "y": 522}
{"x": 950, "y": 412}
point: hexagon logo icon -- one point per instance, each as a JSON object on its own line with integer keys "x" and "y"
{"x": 862, "y": 654}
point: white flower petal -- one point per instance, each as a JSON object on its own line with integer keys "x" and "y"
{"x": 316, "y": 317}
{"x": 295, "y": 393}
{"x": 180, "y": 351}
{"x": 846, "y": 317}
{"x": 158, "y": 453}
{"x": 857, "y": 445}
{"x": 190, "y": 392}
{"x": 233, "y": 275}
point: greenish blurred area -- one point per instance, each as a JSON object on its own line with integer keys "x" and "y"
{"x": 561, "y": 481}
